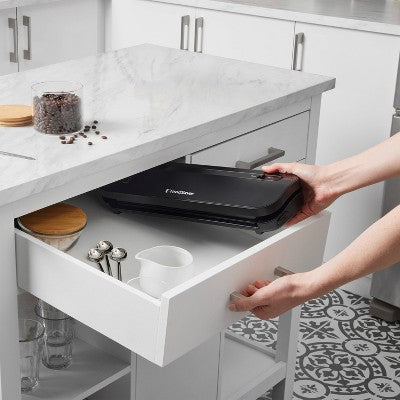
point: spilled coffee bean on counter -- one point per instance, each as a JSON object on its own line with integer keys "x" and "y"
{"x": 82, "y": 134}
{"x": 57, "y": 113}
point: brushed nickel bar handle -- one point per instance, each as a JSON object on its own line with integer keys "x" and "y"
{"x": 281, "y": 271}
{"x": 273, "y": 154}
{"x": 278, "y": 272}
{"x": 298, "y": 39}
{"x": 235, "y": 296}
{"x": 198, "y": 37}
{"x": 26, "y": 21}
{"x": 12, "y": 24}
{"x": 185, "y": 22}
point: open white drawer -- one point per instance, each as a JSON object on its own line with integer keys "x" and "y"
{"x": 161, "y": 330}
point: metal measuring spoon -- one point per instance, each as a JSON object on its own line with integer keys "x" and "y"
{"x": 105, "y": 246}
{"x": 96, "y": 256}
{"x": 118, "y": 254}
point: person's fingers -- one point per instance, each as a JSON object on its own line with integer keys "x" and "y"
{"x": 283, "y": 168}
{"x": 261, "y": 283}
{"x": 300, "y": 216}
{"x": 249, "y": 291}
{"x": 246, "y": 303}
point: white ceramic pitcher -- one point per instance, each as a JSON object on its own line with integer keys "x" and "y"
{"x": 163, "y": 267}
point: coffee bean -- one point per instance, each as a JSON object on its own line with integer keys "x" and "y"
{"x": 62, "y": 137}
{"x": 81, "y": 133}
{"x": 63, "y": 141}
{"x": 90, "y": 143}
{"x": 97, "y": 132}
{"x": 87, "y": 127}
{"x": 94, "y": 127}
{"x": 85, "y": 136}
{"x": 86, "y": 130}
{"x": 95, "y": 122}
{"x": 104, "y": 137}
{"x": 75, "y": 136}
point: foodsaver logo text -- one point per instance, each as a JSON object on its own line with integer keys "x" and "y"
{"x": 182, "y": 192}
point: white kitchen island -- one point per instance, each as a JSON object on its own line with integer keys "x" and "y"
{"x": 156, "y": 105}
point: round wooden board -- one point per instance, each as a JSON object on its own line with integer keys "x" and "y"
{"x": 58, "y": 219}
{"x": 11, "y": 124}
{"x": 15, "y": 113}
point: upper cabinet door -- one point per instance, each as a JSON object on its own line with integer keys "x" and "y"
{"x": 136, "y": 22}
{"x": 8, "y": 41}
{"x": 245, "y": 37}
{"x": 59, "y": 31}
{"x": 355, "y": 115}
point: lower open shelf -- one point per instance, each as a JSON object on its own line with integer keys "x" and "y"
{"x": 248, "y": 371}
{"x": 91, "y": 370}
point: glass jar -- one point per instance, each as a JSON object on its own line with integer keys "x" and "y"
{"x": 57, "y": 107}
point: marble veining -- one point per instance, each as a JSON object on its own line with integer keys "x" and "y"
{"x": 148, "y": 99}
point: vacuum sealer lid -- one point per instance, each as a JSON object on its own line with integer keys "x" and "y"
{"x": 209, "y": 189}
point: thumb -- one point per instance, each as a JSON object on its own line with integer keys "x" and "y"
{"x": 279, "y": 167}
{"x": 245, "y": 304}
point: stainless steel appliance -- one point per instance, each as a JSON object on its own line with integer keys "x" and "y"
{"x": 385, "y": 288}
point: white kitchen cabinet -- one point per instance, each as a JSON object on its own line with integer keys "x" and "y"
{"x": 355, "y": 116}
{"x": 59, "y": 31}
{"x": 245, "y": 37}
{"x": 284, "y": 141}
{"x": 136, "y": 22}
{"x": 8, "y": 41}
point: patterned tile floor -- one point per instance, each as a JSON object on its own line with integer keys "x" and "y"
{"x": 343, "y": 352}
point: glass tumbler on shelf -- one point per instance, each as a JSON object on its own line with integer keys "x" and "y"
{"x": 58, "y": 337}
{"x": 57, "y": 107}
{"x": 31, "y": 334}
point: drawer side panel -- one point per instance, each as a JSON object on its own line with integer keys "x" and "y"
{"x": 97, "y": 300}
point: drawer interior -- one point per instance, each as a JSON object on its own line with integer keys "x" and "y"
{"x": 160, "y": 330}
{"x": 210, "y": 245}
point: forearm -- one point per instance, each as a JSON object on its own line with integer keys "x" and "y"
{"x": 376, "y": 248}
{"x": 373, "y": 165}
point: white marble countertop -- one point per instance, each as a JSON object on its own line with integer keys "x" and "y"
{"x": 4, "y": 4}
{"x": 147, "y": 99}
{"x": 382, "y": 16}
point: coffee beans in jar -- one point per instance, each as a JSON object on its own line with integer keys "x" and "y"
{"x": 57, "y": 107}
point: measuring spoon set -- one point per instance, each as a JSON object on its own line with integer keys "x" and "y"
{"x": 105, "y": 250}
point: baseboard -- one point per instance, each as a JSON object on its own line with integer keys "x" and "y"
{"x": 361, "y": 286}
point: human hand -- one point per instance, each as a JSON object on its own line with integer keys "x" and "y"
{"x": 317, "y": 189}
{"x": 266, "y": 299}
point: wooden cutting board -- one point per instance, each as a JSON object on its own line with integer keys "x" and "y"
{"x": 58, "y": 219}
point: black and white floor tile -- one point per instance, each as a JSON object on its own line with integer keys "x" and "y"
{"x": 343, "y": 352}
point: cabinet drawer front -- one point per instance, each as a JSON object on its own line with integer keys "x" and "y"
{"x": 185, "y": 316}
{"x": 198, "y": 309}
{"x": 289, "y": 135}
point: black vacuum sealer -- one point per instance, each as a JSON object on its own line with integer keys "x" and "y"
{"x": 233, "y": 197}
